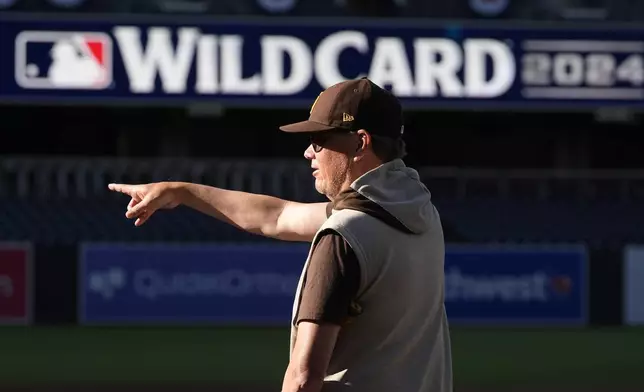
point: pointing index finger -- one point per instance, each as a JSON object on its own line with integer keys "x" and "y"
{"x": 119, "y": 188}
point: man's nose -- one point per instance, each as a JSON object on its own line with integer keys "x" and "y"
{"x": 309, "y": 153}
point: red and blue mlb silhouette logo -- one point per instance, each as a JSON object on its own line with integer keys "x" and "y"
{"x": 63, "y": 60}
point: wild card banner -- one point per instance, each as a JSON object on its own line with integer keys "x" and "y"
{"x": 286, "y": 63}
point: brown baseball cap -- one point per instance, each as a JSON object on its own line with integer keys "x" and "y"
{"x": 352, "y": 105}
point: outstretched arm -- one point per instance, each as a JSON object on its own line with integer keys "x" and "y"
{"x": 256, "y": 213}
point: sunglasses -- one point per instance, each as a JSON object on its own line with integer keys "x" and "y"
{"x": 318, "y": 141}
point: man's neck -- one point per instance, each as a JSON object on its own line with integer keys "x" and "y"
{"x": 357, "y": 171}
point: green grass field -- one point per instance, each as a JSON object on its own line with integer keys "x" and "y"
{"x": 481, "y": 357}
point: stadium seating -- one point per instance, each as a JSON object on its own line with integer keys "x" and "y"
{"x": 617, "y": 10}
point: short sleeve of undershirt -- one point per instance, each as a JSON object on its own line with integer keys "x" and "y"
{"x": 331, "y": 282}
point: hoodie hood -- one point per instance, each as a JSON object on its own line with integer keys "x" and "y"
{"x": 393, "y": 193}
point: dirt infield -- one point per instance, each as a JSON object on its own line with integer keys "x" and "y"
{"x": 246, "y": 388}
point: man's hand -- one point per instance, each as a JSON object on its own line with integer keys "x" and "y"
{"x": 148, "y": 198}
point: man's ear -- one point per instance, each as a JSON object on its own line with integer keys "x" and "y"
{"x": 364, "y": 140}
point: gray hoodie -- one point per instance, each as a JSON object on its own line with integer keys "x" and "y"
{"x": 400, "y": 341}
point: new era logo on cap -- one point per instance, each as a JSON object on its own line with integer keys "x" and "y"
{"x": 63, "y": 60}
{"x": 353, "y": 105}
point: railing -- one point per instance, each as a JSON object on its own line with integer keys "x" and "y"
{"x": 88, "y": 178}
{"x": 66, "y": 177}
{"x": 539, "y": 184}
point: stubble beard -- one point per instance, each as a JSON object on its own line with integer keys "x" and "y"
{"x": 330, "y": 187}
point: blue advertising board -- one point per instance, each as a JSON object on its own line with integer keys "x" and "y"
{"x": 255, "y": 284}
{"x": 516, "y": 285}
{"x": 168, "y": 284}
{"x": 287, "y": 62}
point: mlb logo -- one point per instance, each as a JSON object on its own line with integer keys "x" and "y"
{"x": 63, "y": 60}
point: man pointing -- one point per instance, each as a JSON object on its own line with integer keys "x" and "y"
{"x": 368, "y": 313}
